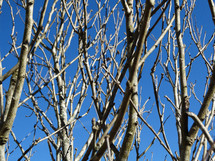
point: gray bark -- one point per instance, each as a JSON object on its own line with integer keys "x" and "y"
{"x": 2, "y": 152}
{"x": 6, "y": 126}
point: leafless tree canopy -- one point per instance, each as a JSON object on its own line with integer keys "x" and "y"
{"x": 107, "y": 80}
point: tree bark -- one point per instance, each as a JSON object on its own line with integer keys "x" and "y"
{"x": 184, "y": 146}
{"x": 6, "y": 126}
{"x": 2, "y": 152}
{"x": 133, "y": 70}
{"x": 1, "y": 2}
{"x": 131, "y": 90}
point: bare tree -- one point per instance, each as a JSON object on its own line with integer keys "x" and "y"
{"x": 8, "y": 113}
{"x": 110, "y": 71}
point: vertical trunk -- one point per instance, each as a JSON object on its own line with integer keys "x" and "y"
{"x": 2, "y": 152}
{"x": 58, "y": 155}
{"x": 133, "y": 79}
{"x": 132, "y": 124}
{"x": 63, "y": 113}
{"x": 6, "y": 126}
{"x": 58, "y": 54}
{"x": 185, "y": 146}
{"x": 64, "y": 134}
{"x": 130, "y": 133}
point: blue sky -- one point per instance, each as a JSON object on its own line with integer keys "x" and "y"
{"x": 24, "y": 125}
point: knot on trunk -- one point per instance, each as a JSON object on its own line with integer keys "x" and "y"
{"x": 3, "y": 140}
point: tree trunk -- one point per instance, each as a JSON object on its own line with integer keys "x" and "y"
{"x": 7, "y": 124}
{"x": 131, "y": 129}
{"x": 2, "y": 152}
{"x": 185, "y": 147}
{"x": 133, "y": 72}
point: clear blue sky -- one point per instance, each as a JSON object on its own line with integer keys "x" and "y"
{"x": 24, "y": 125}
